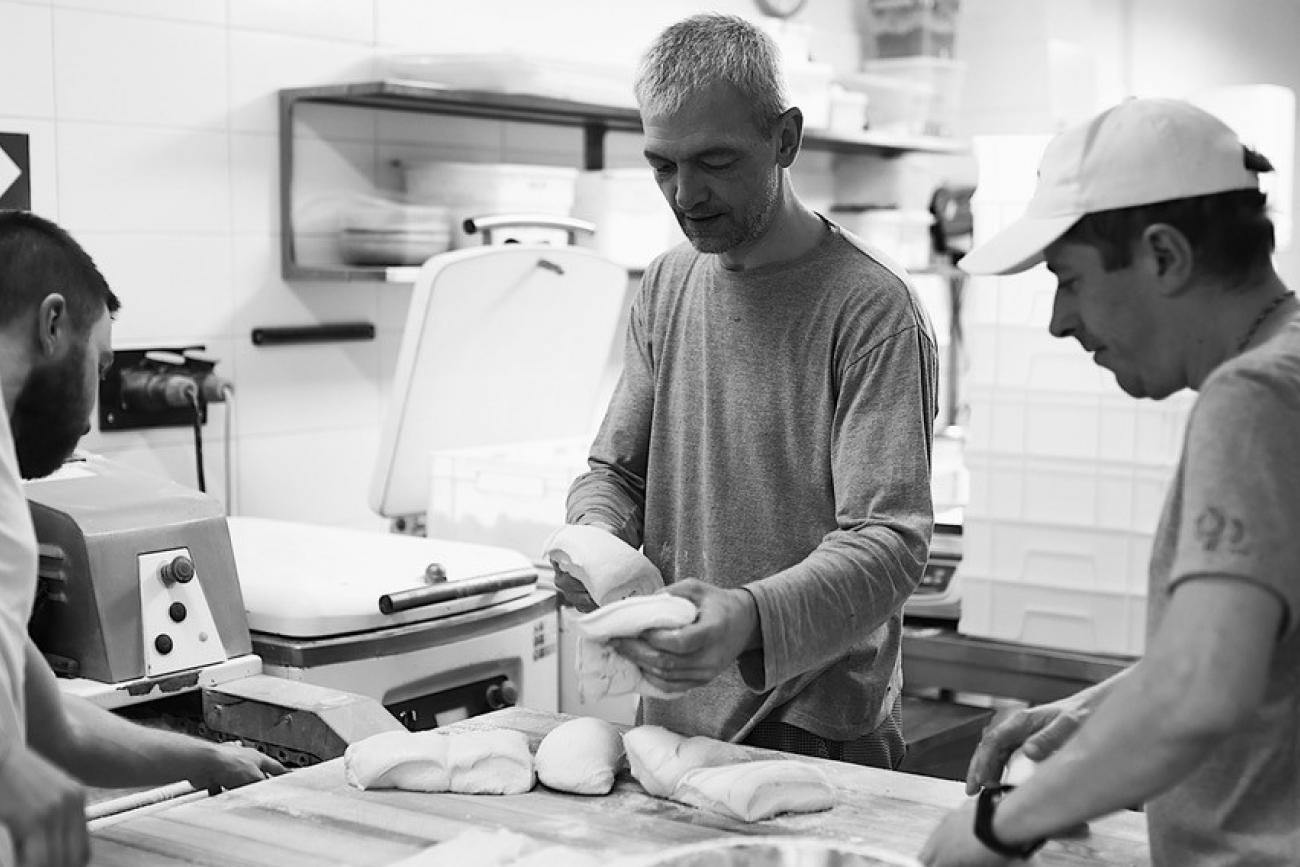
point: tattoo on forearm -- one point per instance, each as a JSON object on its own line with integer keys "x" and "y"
{"x": 1215, "y": 529}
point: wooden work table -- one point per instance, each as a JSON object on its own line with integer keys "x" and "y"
{"x": 312, "y": 817}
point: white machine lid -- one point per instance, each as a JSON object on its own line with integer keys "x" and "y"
{"x": 501, "y": 344}
{"x": 310, "y": 581}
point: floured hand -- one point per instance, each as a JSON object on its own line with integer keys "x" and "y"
{"x": 682, "y": 658}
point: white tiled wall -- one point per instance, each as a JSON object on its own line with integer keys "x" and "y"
{"x": 152, "y": 128}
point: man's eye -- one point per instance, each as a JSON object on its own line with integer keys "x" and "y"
{"x": 718, "y": 165}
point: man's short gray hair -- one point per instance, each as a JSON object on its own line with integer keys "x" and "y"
{"x": 703, "y": 49}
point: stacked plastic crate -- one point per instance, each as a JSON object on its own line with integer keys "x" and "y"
{"x": 1067, "y": 472}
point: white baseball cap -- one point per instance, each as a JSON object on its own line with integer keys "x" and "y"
{"x": 1140, "y": 152}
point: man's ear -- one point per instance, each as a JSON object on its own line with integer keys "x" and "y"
{"x": 789, "y": 132}
{"x": 1169, "y": 257}
{"x": 53, "y": 327}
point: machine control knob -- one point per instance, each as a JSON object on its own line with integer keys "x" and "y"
{"x": 503, "y": 694}
{"x": 179, "y": 571}
{"x": 163, "y": 644}
{"x": 177, "y": 612}
{"x": 435, "y": 573}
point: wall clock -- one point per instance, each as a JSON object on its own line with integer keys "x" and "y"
{"x": 780, "y": 8}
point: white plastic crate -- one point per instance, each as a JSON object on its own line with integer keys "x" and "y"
{"x": 1039, "y": 554}
{"x": 1065, "y": 492}
{"x": 1062, "y": 617}
{"x": 508, "y": 495}
{"x": 1038, "y": 423}
{"x": 1028, "y": 357}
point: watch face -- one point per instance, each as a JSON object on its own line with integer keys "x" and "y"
{"x": 780, "y": 8}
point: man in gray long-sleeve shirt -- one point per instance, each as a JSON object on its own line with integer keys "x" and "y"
{"x": 769, "y": 441}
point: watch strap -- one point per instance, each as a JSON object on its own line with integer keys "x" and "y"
{"x": 984, "y": 805}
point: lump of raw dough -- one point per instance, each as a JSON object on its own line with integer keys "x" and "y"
{"x": 490, "y": 763}
{"x": 659, "y": 758}
{"x": 607, "y": 566}
{"x": 758, "y": 790}
{"x": 473, "y": 763}
{"x": 603, "y": 672}
{"x": 416, "y": 762}
{"x": 580, "y": 756}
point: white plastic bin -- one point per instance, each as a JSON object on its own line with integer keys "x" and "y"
{"x": 1061, "y": 617}
{"x": 510, "y": 495}
{"x": 1039, "y": 553}
{"x": 1020, "y": 422}
{"x": 1087, "y": 494}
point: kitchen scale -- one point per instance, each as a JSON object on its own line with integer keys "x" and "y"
{"x": 938, "y": 594}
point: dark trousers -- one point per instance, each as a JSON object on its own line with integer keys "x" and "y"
{"x": 882, "y": 748}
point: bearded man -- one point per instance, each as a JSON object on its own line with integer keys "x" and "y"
{"x": 56, "y": 322}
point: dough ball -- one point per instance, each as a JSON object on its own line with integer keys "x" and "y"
{"x": 580, "y": 756}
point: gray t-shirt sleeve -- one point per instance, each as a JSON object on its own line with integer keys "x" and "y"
{"x": 864, "y": 570}
{"x": 613, "y": 490}
{"x": 1241, "y": 488}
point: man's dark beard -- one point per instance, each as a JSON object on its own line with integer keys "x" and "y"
{"x": 50, "y": 415}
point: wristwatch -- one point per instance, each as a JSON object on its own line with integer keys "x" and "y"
{"x": 988, "y": 799}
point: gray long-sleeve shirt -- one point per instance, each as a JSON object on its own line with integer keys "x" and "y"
{"x": 772, "y": 430}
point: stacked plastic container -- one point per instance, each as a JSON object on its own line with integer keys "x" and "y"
{"x": 1067, "y": 472}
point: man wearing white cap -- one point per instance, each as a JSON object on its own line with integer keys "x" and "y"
{"x": 1151, "y": 219}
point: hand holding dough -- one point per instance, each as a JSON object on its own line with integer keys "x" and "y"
{"x": 580, "y": 756}
{"x": 607, "y": 566}
{"x": 603, "y": 672}
{"x": 721, "y": 777}
{"x": 472, "y": 763}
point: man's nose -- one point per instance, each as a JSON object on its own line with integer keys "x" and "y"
{"x": 1064, "y": 317}
{"x": 691, "y": 189}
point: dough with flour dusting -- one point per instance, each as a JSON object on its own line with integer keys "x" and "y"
{"x": 722, "y": 777}
{"x": 472, "y": 763}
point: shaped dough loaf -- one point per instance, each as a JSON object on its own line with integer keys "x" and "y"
{"x": 759, "y": 790}
{"x": 715, "y": 775}
{"x": 659, "y": 758}
{"x": 607, "y": 566}
{"x": 580, "y": 756}
{"x": 471, "y": 763}
{"x": 603, "y": 672}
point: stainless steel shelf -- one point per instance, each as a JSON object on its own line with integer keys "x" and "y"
{"x": 595, "y": 120}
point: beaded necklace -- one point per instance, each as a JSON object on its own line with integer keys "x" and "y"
{"x": 1259, "y": 320}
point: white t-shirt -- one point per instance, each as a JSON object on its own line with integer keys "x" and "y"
{"x": 17, "y": 589}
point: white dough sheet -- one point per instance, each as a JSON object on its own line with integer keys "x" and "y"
{"x": 601, "y": 671}
{"x": 472, "y": 763}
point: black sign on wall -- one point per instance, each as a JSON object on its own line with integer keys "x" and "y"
{"x": 15, "y": 171}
